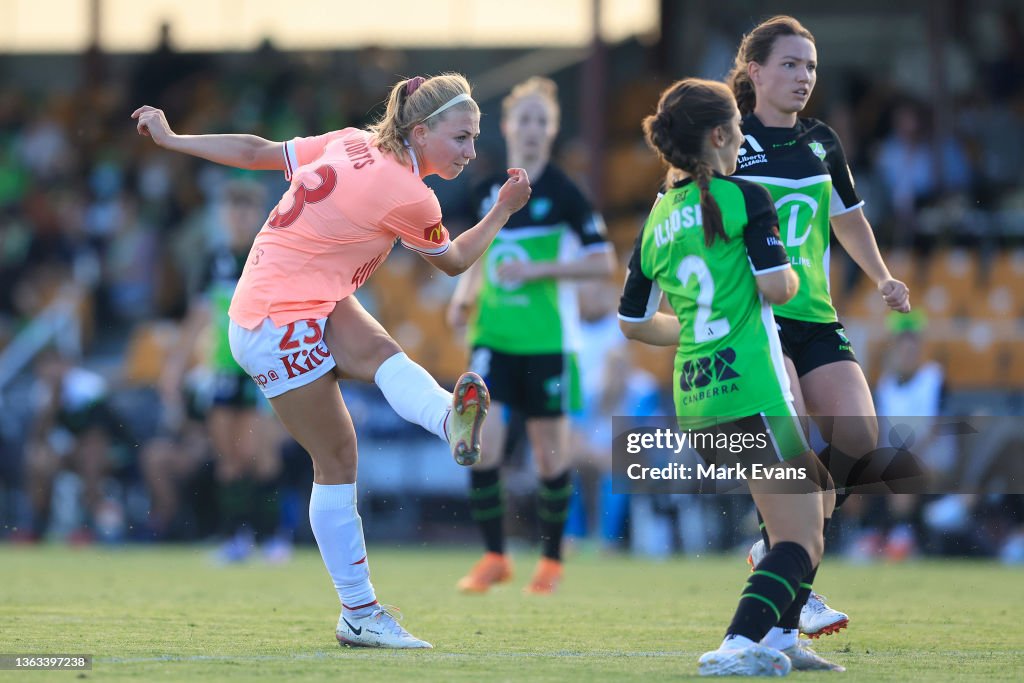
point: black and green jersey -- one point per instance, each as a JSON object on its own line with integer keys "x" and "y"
{"x": 541, "y": 316}
{"x": 805, "y": 171}
{"x": 729, "y": 362}
{"x": 223, "y": 268}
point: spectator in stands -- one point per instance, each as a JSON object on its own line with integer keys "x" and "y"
{"x": 612, "y": 385}
{"x": 911, "y": 388}
{"x": 74, "y": 429}
{"x": 911, "y": 171}
{"x": 172, "y": 462}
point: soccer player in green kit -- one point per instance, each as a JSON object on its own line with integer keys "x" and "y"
{"x": 800, "y": 161}
{"x": 247, "y": 442}
{"x": 711, "y": 243}
{"x": 525, "y": 330}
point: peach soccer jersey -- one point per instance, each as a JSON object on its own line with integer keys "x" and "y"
{"x": 345, "y": 209}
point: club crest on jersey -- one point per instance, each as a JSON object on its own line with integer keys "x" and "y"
{"x": 818, "y": 149}
{"x": 539, "y": 208}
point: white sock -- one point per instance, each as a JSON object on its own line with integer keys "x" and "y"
{"x": 339, "y": 534}
{"x": 414, "y": 394}
{"x": 781, "y": 638}
{"x": 735, "y": 642}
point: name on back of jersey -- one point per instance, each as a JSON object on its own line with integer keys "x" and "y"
{"x": 679, "y": 219}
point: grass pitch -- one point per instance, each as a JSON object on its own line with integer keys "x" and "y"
{"x": 168, "y": 614}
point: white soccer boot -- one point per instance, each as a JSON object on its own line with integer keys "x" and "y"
{"x": 753, "y": 660}
{"x": 380, "y": 628}
{"x": 804, "y": 658}
{"x": 818, "y": 619}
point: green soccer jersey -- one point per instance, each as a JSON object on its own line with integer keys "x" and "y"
{"x": 729, "y": 361}
{"x": 805, "y": 171}
{"x": 222, "y": 272}
{"x": 542, "y": 316}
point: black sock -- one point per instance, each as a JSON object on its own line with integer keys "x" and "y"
{"x": 791, "y": 618}
{"x": 553, "y": 509}
{"x": 770, "y": 590}
{"x": 487, "y": 507}
{"x": 763, "y": 528}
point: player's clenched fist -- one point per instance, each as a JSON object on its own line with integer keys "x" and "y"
{"x": 514, "y": 194}
{"x": 895, "y": 294}
{"x": 153, "y": 123}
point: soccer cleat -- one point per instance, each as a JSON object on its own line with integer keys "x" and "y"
{"x": 470, "y": 401}
{"x": 756, "y": 554}
{"x": 491, "y": 569}
{"x": 546, "y": 577}
{"x": 379, "y": 628}
{"x": 753, "y": 660}
{"x": 818, "y": 619}
{"x": 804, "y": 658}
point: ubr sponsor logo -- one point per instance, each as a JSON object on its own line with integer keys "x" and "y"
{"x": 703, "y": 371}
{"x": 300, "y": 362}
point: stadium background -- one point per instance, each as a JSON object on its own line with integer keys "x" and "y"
{"x": 100, "y": 232}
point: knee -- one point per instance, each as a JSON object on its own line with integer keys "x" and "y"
{"x": 337, "y": 457}
{"x": 855, "y": 435}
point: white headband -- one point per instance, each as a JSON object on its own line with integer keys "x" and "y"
{"x": 461, "y": 97}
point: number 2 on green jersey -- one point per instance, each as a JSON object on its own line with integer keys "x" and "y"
{"x": 704, "y": 329}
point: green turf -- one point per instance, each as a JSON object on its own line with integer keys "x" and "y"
{"x": 165, "y": 613}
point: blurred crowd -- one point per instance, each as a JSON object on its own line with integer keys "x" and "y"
{"x": 94, "y": 218}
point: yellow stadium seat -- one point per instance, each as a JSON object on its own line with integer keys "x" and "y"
{"x": 956, "y": 266}
{"x": 147, "y": 352}
{"x": 905, "y": 266}
{"x": 1007, "y": 270}
{"x": 972, "y": 361}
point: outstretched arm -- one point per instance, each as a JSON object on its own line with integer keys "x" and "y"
{"x": 241, "y": 151}
{"x": 854, "y": 232}
{"x": 470, "y": 245}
